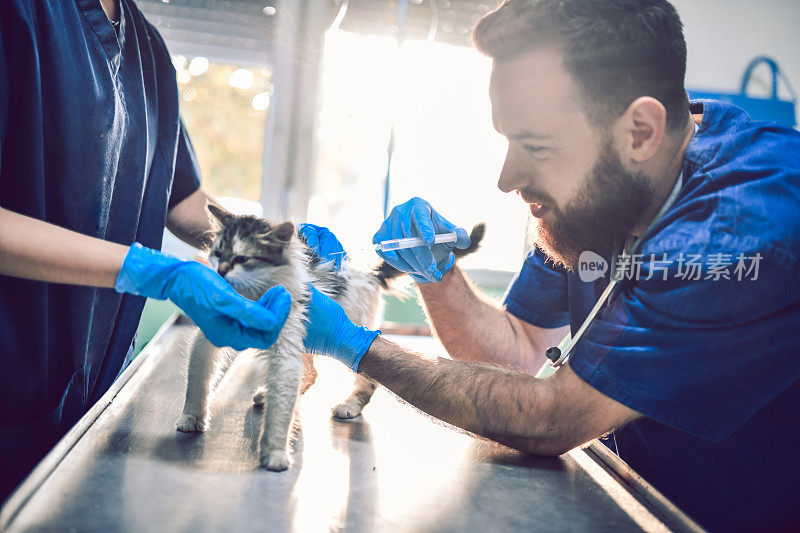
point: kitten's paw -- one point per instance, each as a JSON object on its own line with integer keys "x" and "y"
{"x": 191, "y": 424}
{"x": 275, "y": 460}
{"x": 347, "y": 410}
{"x": 260, "y": 397}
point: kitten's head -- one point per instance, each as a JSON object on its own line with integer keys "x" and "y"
{"x": 246, "y": 245}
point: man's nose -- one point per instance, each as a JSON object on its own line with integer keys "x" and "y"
{"x": 508, "y": 176}
{"x": 223, "y": 268}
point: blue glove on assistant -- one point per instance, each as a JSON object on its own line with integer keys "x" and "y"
{"x": 331, "y": 333}
{"x": 416, "y": 218}
{"x": 324, "y": 243}
{"x": 225, "y": 317}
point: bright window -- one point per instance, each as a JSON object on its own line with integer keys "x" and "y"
{"x": 446, "y": 150}
{"x": 225, "y": 108}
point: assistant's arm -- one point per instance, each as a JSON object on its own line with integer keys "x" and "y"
{"x": 473, "y": 329}
{"x": 191, "y": 221}
{"x": 34, "y": 249}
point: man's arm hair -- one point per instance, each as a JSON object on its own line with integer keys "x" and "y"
{"x": 471, "y": 328}
{"x": 542, "y": 416}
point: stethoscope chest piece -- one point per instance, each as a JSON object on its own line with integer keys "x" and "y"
{"x": 554, "y": 355}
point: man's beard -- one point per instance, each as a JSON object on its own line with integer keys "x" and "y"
{"x": 601, "y": 217}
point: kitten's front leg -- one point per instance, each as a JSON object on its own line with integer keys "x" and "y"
{"x": 309, "y": 378}
{"x": 284, "y": 371}
{"x": 202, "y": 362}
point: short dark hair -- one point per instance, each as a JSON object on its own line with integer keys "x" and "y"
{"x": 615, "y": 50}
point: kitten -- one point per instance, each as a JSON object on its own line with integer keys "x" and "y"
{"x": 255, "y": 255}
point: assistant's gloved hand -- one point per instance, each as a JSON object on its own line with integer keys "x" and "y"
{"x": 416, "y": 218}
{"x": 331, "y": 333}
{"x": 225, "y": 317}
{"x": 324, "y": 243}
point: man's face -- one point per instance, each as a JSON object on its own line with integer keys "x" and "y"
{"x": 559, "y": 162}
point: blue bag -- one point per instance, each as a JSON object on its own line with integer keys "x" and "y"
{"x": 771, "y": 109}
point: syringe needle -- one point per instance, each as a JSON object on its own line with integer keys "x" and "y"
{"x": 412, "y": 242}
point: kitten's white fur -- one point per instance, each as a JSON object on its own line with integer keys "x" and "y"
{"x": 285, "y": 359}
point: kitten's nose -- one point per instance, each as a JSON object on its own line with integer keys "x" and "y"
{"x": 223, "y": 268}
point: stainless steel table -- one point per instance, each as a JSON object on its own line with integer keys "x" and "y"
{"x": 125, "y": 468}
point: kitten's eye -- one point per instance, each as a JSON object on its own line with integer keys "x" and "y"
{"x": 216, "y": 253}
{"x": 238, "y": 259}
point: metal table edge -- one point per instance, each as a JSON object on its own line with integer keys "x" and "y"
{"x": 23, "y": 493}
{"x": 644, "y": 492}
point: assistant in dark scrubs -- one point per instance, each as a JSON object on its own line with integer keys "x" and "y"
{"x": 91, "y": 140}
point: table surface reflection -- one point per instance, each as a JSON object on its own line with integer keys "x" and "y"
{"x": 393, "y": 468}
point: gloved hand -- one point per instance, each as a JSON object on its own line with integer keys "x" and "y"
{"x": 416, "y": 218}
{"x": 324, "y": 243}
{"x": 225, "y": 317}
{"x": 331, "y": 333}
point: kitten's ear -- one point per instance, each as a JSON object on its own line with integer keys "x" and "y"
{"x": 220, "y": 214}
{"x": 282, "y": 232}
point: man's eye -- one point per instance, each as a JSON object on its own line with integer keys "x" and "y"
{"x": 534, "y": 149}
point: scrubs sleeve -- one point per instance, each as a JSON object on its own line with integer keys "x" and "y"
{"x": 538, "y": 294}
{"x": 700, "y": 355}
{"x": 187, "y": 169}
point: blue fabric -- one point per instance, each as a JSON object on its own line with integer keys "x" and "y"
{"x": 712, "y": 363}
{"x": 91, "y": 140}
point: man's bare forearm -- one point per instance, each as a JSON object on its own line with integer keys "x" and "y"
{"x": 34, "y": 249}
{"x": 509, "y": 407}
{"x": 473, "y": 329}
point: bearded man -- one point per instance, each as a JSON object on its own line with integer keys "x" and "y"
{"x": 695, "y": 369}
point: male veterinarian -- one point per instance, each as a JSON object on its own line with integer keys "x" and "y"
{"x": 693, "y": 360}
{"x": 94, "y": 158}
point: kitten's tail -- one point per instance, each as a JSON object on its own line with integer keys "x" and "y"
{"x": 385, "y": 272}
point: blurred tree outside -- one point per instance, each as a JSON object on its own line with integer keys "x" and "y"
{"x": 225, "y": 109}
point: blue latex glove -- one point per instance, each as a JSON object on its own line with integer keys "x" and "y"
{"x": 416, "y": 218}
{"x": 324, "y": 243}
{"x": 225, "y": 317}
{"x": 331, "y": 333}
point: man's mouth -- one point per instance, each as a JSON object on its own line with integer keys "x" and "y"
{"x": 538, "y": 210}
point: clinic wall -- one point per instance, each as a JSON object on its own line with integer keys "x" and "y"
{"x": 724, "y": 35}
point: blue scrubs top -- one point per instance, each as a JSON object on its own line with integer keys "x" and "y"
{"x": 91, "y": 140}
{"x": 709, "y": 353}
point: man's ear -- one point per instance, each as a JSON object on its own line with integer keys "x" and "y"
{"x": 643, "y": 126}
{"x": 220, "y": 214}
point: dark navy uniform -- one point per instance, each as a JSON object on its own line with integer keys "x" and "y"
{"x": 91, "y": 140}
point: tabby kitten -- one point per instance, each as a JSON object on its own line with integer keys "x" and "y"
{"x": 254, "y": 255}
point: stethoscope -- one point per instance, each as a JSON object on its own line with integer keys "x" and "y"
{"x": 558, "y": 355}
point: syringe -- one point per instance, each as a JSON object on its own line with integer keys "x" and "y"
{"x": 411, "y": 242}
